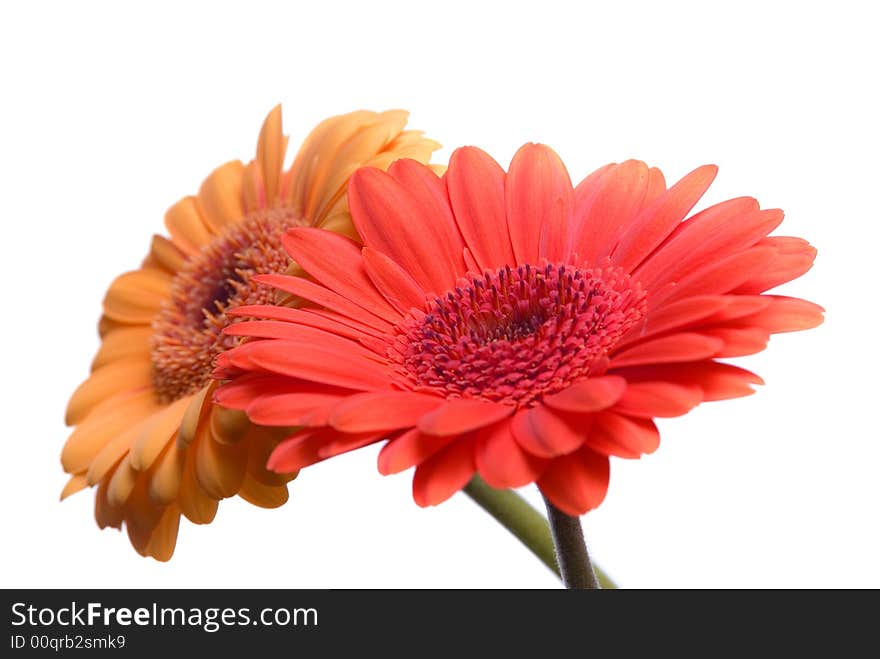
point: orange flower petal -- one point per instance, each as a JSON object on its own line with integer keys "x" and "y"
{"x": 163, "y": 538}
{"x": 123, "y": 344}
{"x": 270, "y": 153}
{"x": 76, "y": 483}
{"x": 105, "y": 514}
{"x": 157, "y": 433}
{"x": 339, "y": 222}
{"x": 264, "y": 496}
{"x": 122, "y": 483}
{"x": 120, "y": 376}
{"x": 220, "y": 198}
{"x": 262, "y": 442}
{"x": 187, "y": 228}
{"x": 108, "y": 457}
{"x": 137, "y": 296}
{"x": 91, "y": 435}
{"x": 165, "y": 481}
{"x": 196, "y": 412}
{"x": 361, "y": 145}
{"x": 409, "y": 144}
{"x": 219, "y": 467}
{"x": 167, "y": 254}
{"x": 195, "y": 504}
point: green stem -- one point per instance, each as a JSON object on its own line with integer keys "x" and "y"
{"x": 528, "y": 525}
{"x": 571, "y": 550}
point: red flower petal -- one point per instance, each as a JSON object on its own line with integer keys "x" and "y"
{"x": 576, "y": 483}
{"x": 616, "y": 202}
{"x": 718, "y": 277}
{"x": 391, "y": 219}
{"x": 712, "y": 234}
{"x": 292, "y": 409}
{"x": 383, "y": 410}
{"x": 334, "y": 323}
{"x": 676, "y": 316}
{"x": 683, "y": 347}
{"x": 718, "y": 381}
{"x": 445, "y": 473}
{"x": 476, "y": 189}
{"x": 333, "y": 361}
{"x": 502, "y": 463}
{"x": 585, "y": 194}
{"x": 325, "y": 297}
{"x": 656, "y": 222}
{"x": 792, "y": 258}
{"x": 343, "y": 443}
{"x": 288, "y": 328}
{"x": 739, "y": 341}
{"x": 295, "y": 452}
{"x": 393, "y": 282}
{"x": 546, "y": 434}
{"x": 786, "y": 314}
{"x": 336, "y": 262}
{"x": 590, "y": 395}
{"x": 623, "y": 436}
{"x": 239, "y": 393}
{"x": 539, "y": 200}
{"x": 409, "y": 449}
{"x": 663, "y": 399}
{"x": 463, "y": 415}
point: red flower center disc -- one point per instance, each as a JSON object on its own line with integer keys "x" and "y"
{"x": 517, "y": 334}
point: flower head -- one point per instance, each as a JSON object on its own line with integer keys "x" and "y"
{"x": 147, "y": 432}
{"x": 510, "y": 325}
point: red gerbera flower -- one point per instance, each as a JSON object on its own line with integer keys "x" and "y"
{"x": 511, "y": 325}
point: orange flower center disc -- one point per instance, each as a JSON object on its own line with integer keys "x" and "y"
{"x": 187, "y": 334}
{"x": 517, "y": 334}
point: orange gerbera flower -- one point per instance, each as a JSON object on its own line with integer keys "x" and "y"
{"x": 512, "y": 326}
{"x": 147, "y": 433}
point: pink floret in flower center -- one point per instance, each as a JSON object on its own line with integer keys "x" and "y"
{"x": 516, "y": 334}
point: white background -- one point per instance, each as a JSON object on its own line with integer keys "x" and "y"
{"x": 111, "y": 112}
